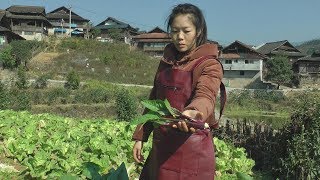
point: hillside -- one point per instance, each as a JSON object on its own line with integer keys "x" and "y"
{"x": 309, "y": 47}
{"x": 93, "y": 60}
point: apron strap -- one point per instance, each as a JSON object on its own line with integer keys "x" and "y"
{"x": 223, "y": 93}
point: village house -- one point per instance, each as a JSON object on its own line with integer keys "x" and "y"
{"x": 110, "y": 24}
{"x": 283, "y": 48}
{"x": 6, "y": 35}
{"x": 30, "y": 22}
{"x": 60, "y": 17}
{"x": 152, "y": 42}
{"x": 243, "y": 66}
{"x": 308, "y": 69}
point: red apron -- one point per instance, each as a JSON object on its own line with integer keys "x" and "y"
{"x": 176, "y": 155}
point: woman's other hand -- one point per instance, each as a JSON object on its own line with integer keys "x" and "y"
{"x": 182, "y": 125}
{"x": 137, "y": 152}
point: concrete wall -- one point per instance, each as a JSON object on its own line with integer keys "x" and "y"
{"x": 239, "y": 64}
{"x": 250, "y": 79}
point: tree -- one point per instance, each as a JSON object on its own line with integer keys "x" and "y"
{"x": 25, "y": 50}
{"x": 279, "y": 70}
{"x": 73, "y": 80}
{"x": 95, "y": 32}
{"x": 22, "y": 81}
{"x": 7, "y": 59}
{"x": 115, "y": 34}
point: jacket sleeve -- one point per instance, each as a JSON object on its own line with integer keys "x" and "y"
{"x": 207, "y": 88}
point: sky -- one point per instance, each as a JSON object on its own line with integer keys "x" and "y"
{"x": 253, "y": 22}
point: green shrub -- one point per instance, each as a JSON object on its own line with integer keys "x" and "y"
{"x": 57, "y": 96}
{"x": 41, "y": 82}
{"x": 25, "y": 50}
{"x": 22, "y": 81}
{"x": 274, "y": 96}
{"x": 6, "y": 58}
{"x": 300, "y": 142}
{"x": 73, "y": 80}
{"x": 23, "y": 101}
{"x": 4, "y": 97}
{"x": 126, "y": 105}
{"x": 92, "y": 95}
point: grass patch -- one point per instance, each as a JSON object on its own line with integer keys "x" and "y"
{"x": 93, "y": 60}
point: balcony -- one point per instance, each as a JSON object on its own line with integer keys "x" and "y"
{"x": 28, "y": 28}
{"x": 66, "y": 25}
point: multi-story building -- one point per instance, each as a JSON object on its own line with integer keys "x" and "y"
{"x": 6, "y": 35}
{"x": 152, "y": 42}
{"x": 243, "y": 66}
{"x": 30, "y": 22}
{"x": 60, "y": 17}
{"x": 111, "y": 24}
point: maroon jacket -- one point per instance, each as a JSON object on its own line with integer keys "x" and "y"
{"x": 206, "y": 82}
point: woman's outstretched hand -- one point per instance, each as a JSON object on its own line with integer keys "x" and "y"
{"x": 137, "y": 152}
{"x": 182, "y": 125}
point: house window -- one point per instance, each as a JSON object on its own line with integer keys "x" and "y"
{"x": 249, "y": 62}
{"x": 241, "y": 73}
{"x": 28, "y": 33}
{"x": 32, "y": 23}
{"x": 2, "y": 40}
{"x": 235, "y": 61}
{"x": 228, "y": 61}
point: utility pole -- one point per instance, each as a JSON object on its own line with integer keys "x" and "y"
{"x": 70, "y": 20}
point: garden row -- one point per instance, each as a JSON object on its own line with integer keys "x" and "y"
{"x": 51, "y": 146}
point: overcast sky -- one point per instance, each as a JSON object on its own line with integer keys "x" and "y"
{"x": 251, "y": 21}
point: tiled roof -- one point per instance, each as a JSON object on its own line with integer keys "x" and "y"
{"x": 229, "y": 56}
{"x": 26, "y": 9}
{"x": 14, "y": 16}
{"x": 14, "y": 35}
{"x": 288, "y": 53}
{"x": 270, "y": 46}
{"x": 65, "y": 16}
{"x": 152, "y": 40}
{"x": 152, "y": 36}
{"x": 157, "y": 30}
{"x": 112, "y": 26}
{"x": 314, "y": 57}
{"x": 252, "y": 55}
{"x": 3, "y": 29}
{"x": 114, "y": 20}
{"x": 115, "y": 25}
{"x": 63, "y": 13}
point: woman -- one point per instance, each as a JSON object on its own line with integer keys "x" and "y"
{"x": 189, "y": 76}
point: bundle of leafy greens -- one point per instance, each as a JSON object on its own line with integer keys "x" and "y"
{"x": 160, "y": 112}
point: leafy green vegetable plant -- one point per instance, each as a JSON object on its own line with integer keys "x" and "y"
{"x": 160, "y": 112}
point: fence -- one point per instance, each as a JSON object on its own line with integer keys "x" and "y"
{"x": 258, "y": 139}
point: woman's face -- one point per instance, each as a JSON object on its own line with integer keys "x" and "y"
{"x": 183, "y": 33}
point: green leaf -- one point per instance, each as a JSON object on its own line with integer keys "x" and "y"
{"x": 144, "y": 118}
{"x": 68, "y": 177}
{"x": 173, "y": 111}
{"x": 91, "y": 170}
{"x": 118, "y": 174}
{"x": 242, "y": 176}
{"x": 155, "y": 106}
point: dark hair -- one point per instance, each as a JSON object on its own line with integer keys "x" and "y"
{"x": 198, "y": 20}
